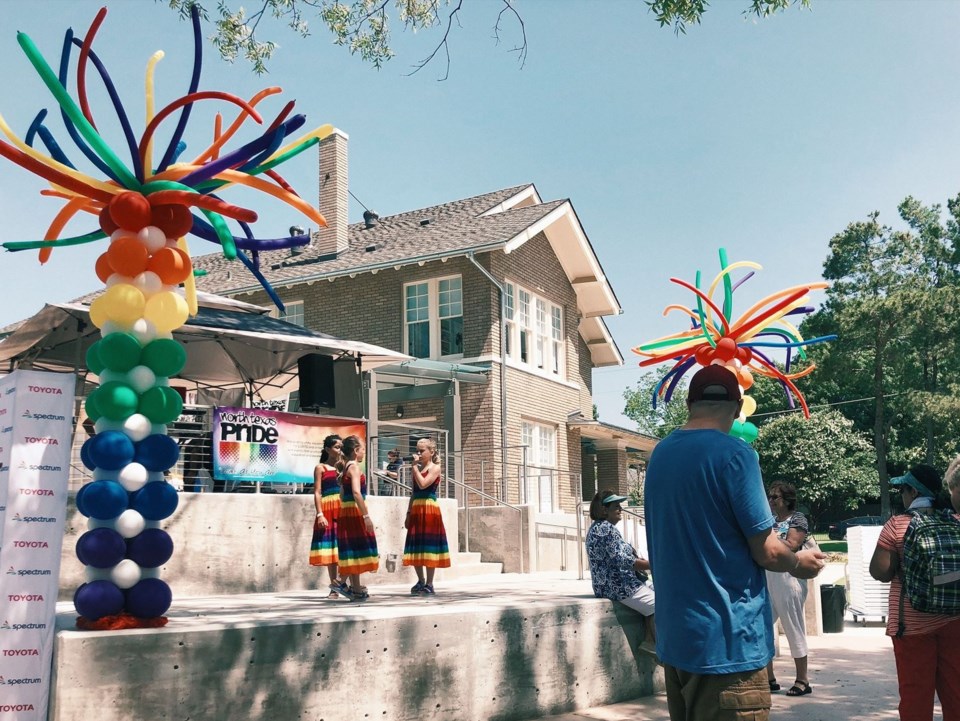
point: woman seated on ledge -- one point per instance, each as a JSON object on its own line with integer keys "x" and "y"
{"x": 616, "y": 571}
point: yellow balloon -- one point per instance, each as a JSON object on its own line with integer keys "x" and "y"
{"x": 123, "y": 303}
{"x": 749, "y": 406}
{"x": 166, "y": 310}
{"x": 98, "y": 316}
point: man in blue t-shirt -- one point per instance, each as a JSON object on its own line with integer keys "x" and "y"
{"x": 709, "y": 533}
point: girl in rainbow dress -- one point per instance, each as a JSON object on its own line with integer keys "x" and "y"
{"x": 326, "y": 498}
{"x": 355, "y": 537}
{"x": 426, "y": 544}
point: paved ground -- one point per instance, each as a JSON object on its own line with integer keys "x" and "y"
{"x": 852, "y": 673}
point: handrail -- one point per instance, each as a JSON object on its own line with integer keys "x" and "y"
{"x": 563, "y": 545}
{"x": 466, "y": 514}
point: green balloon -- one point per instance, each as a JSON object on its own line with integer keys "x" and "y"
{"x": 94, "y": 364}
{"x": 90, "y": 405}
{"x": 117, "y": 401}
{"x": 737, "y": 429}
{"x": 164, "y": 356}
{"x": 161, "y": 404}
{"x": 749, "y": 432}
{"x": 119, "y": 351}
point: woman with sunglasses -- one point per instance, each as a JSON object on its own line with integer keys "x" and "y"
{"x": 788, "y": 593}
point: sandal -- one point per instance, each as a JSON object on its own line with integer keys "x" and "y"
{"x": 800, "y": 688}
{"x": 774, "y": 686}
{"x": 333, "y": 594}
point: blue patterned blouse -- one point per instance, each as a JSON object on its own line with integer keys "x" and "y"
{"x": 611, "y": 562}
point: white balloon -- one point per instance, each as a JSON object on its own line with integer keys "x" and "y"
{"x": 117, "y": 279}
{"x": 162, "y": 381}
{"x": 125, "y": 574}
{"x": 742, "y": 418}
{"x": 111, "y": 326}
{"x": 105, "y": 424}
{"x": 155, "y": 476}
{"x": 121, "y": 233}
{"x": 144, "y": 330}
{"x": 734, "y": 365}
{"x": 158, "y": 429}
{"x": 108, "y": 376}
{"x": 152, "y": 238}
{"x": 130, "y": 523}
{"x": 149, "y": 573}
{"x": 102, "y": 474}
{"x": 137, "y": 426}
{"x": 93, "y": 523}
{"x": 133, "y": 477}
{"x": 151, "y": 524}
{"x": 148, "y": 282}
{"x": 141, "y": 378}
{"x": 167, "y": 335}
{"x": 96, "y": 574}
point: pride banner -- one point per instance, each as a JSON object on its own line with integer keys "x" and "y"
{"x": 36, "y": 427}
{"x": 252, "y": 444}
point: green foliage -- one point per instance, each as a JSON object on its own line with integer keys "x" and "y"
{"x": 831, "y": 464}
{"x": 680, "y": 13}
{"x": 663, "y": 419}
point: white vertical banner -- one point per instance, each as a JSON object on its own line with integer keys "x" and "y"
{"x": 36, "y": 420}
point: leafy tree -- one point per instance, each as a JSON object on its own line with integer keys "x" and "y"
{"x": 364, "y": 26}
{"x": 663, "y": 419}
{"x": 831, "y": 464}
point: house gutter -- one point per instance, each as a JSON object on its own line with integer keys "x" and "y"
{"x": 503, "y": 372}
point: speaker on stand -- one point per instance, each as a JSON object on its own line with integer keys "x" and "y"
{"x": 317, "y": 387}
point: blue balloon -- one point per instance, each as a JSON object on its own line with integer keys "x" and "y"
{"x": 97, "y": 599}
{"x": 85, "y": 454}
{"x": 151, "y": 549}
{"x": 149, "y": 598}
{"x": 101, "y": 548}
{"x": 81, "y": 505}
{"x": 157, "y": 452}
{"x": 155, "y": 501}
{"x": 110, "y": 450}
{"x": 104, "y": 500}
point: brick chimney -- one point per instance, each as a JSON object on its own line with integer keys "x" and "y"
{"x": 334, "y": 201}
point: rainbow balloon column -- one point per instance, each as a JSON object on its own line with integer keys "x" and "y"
{"x": 741, "y": 345}
{"x": 145, "y": 209}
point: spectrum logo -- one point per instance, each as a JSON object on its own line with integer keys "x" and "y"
{"x": 19, "y": 681}
{"x": 45, "y": 390}
{"x": 43, "y": 416}
{"x": 24, "y": 467}
{"x": 28, "y": 571}
{"x": 7, "y": 626}
{"x": 33, "y": 519}
{"x": 42, "y": 440}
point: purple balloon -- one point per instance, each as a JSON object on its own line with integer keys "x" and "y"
{"x": 97, "y": 599}
{"x": 101, "y": 548}
{"x": 151, "y": 549}
{"x": 150, "y": 598}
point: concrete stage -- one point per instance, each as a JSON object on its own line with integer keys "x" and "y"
{"x": 504, "y": 647}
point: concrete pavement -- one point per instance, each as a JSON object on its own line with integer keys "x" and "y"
{"x": 852, "y": 673}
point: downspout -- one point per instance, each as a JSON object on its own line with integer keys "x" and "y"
{"x": 503, "y": 373}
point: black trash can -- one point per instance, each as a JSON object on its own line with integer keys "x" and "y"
{"x": 833, "y": 600}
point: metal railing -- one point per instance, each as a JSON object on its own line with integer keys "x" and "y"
{"x": 563, "y": 544}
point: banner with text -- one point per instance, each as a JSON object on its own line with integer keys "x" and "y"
{"x": 252, "y": 444}
{"x": 36, "y": 429}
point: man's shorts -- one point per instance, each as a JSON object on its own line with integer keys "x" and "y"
{"x": 743, "y": 696}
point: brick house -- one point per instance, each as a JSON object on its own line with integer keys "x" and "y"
{"x": 502, "y": 296}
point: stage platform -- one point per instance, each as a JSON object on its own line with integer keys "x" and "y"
{"x": 505, "y": 647}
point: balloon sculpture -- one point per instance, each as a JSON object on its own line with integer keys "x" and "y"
{"x": 740, "y": 345}
{"x": 145, "y": 209}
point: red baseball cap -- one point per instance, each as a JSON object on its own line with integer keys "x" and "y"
{"x": 714, "y": 383}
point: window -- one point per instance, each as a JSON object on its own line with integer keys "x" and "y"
{"x": 534, "y": 330}
{"x": 541, "y": 442}
{"x": 433, "y": 318}
{"x": 292, "y": 313}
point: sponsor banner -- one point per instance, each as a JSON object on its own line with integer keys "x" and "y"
{"x": 254, "y": 444}
{"x": 36, "y": 430}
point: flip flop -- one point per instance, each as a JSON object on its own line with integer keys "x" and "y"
{"x": 774, "y": 686}
{"x": 800, "y": 688}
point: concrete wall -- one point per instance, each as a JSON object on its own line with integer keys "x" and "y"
{"x": 500, "y": 534}
{"x": 230, "y": 543}
{"x": 496, "y": 660}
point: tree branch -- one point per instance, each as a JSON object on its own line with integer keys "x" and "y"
{"x": 442, "y": 44}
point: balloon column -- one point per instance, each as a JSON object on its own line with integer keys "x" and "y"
{"x": 742, "y": 345}
{"x": 146, "y": 209}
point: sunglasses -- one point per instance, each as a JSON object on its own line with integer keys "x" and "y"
{"x": 774, "y": 498}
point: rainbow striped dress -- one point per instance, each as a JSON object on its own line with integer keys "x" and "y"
{"x": 357, "y": 546}
{"x": 426, "y": 543}
{"x": 323, "y": 545}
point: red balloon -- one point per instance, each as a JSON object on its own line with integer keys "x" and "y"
{"x": 106, "y": 222}
{"x": 726, "y": 349}
{"x": 127, "y": 256}
{"x": 174, "y": 220}
{"x": 704, "y": 355}
{"x": 744, "y": 354}
{"x": 172, "y": 265}
{"x": 131, "y": 211}
{"x": 103, "y": 267}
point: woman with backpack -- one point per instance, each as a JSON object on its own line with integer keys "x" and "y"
{"x": 926, "y": 645}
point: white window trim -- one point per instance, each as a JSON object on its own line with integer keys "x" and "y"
{"x": 513, "y": 328}
{"x": 534, "y": 459}
{"x": 275, "y": 312}
{"x": 433, "y": 315}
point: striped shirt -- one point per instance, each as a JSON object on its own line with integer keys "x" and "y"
{"x": 915, "y": 622}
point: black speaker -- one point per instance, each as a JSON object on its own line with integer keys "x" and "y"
{"x": 317, "y": 388}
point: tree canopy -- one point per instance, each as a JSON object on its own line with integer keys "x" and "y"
{"x": 662, "y": 420}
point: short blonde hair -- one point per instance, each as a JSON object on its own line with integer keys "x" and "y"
{"x": 952, "y": 477}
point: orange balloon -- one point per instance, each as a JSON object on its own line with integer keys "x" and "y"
{"x": 171, "y": 265}
{"x": 128, "y": 256}
{"x": 103, "y": 267}
{"x": 746, "y": 378}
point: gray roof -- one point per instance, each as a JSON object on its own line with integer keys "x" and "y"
{"x": 454, "y": 229}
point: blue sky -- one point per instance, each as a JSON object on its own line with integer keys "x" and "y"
{"x": 763, "y": 137}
